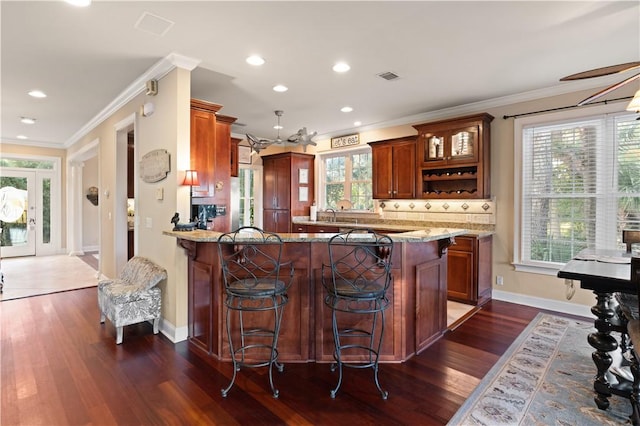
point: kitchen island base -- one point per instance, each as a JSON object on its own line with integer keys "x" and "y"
{"x": 415, "y": 319}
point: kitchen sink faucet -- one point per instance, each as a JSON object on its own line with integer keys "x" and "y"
{"x": 334, "y": 214}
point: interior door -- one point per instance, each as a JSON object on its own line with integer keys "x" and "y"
{"x": 18, "y": 213}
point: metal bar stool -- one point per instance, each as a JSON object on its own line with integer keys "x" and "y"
{"x": 356, "y": 281}
{"x": 255, "y": 281}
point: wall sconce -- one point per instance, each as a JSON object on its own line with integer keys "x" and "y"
{"x": 92, "y": 195}
{"x": 152, "y": 87}
{"x": 191, "y": 179}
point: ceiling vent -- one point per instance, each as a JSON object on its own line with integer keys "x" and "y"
{"x": 388, "y": 75}
{"x": 153, "y": 24}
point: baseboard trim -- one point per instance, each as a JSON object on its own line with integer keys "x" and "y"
{"x": 541, "y": 303}
{"x": 174, "y": 334}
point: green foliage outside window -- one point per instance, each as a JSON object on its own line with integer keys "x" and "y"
{"x": 349, "y": 177}
{"x": 566, "y": 189}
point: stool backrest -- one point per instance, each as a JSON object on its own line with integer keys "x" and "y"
{"x": 361, "y": 260}
{"x": 251, "y": 257}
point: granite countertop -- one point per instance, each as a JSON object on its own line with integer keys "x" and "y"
{"x": 422, "y": 235}
{"x": 387, "y": 227}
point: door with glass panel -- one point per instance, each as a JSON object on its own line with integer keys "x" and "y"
{"x": 18, "y": 213}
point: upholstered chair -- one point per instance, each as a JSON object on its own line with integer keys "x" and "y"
{"x": 133, "y": 297}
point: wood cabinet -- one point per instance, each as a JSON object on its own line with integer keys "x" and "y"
{"x": 211, "y": 157}
{"x": 322, "y": 229}
{"x": 299, "y": 228}
{"x": 281, "y": 189}
{"x": 453, "y": 157}
{"x": 469, "y": 270}
{"x": 131, "y": 163}
{"x": 416, "y": 317}
{"x": 394, "y": 168}
{"x": 235, "y": 144}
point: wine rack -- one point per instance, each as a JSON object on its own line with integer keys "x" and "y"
{"x": 453, "y": 157}
{"x": 453, "y": 182}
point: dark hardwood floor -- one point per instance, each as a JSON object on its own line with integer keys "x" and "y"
{"x": 60, "y": 366}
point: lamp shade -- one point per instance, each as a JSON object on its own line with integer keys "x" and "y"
{"x": 634, "y": 105}
{"x": 191, "y": 178}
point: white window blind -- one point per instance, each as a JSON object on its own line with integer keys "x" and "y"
{"x": 580, "y": 186}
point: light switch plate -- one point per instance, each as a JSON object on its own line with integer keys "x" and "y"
{"x": 159, "y": 193}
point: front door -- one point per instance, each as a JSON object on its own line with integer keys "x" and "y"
{"x": 30, "y": 208}
{"x": 18, "y": 213}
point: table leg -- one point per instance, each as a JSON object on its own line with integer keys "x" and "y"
{"x": 603, "y": 343}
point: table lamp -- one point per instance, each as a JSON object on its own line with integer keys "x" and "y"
{"x": 191, "y": 179}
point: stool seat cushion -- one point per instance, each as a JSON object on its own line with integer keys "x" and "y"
{"x": 256, "y": 287}
{"x": 358, "y": 289}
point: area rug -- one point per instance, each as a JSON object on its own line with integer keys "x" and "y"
{"x": 544, "y": 378}
{"x": 37, "y": 275}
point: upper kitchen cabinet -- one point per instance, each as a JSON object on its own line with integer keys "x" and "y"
{"x": 453, "y": 157}
{"x": 235, "y": 149}
{"x": 211, "y": 157}
{"x": 394, "y": 168}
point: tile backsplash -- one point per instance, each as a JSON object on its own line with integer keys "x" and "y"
{"x": 482, "y": 212}
{"x": 470, "y": 214}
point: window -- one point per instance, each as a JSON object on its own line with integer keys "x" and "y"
{"x": 248, "y": 197}
{"x": 347, "y": 176}
{"x": 579, "y": 186}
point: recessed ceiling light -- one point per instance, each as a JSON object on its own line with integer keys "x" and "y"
{"x": 27, "y": 120}
{"x": 346, "y": 109}
{"x": 341, "y": 67}
{"x": 22, "y": 137}
{"x": 37, "y": 94}
{"x": 357, "y": 123}
{"x": 255, "y": 60}
{"x": 79, "y": 3}
{"x": 280, "y": 88}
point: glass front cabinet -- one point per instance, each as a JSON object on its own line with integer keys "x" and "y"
{"x": 453, "y": 157}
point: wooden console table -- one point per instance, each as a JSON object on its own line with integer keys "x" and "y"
{"x": 604, "y": 279}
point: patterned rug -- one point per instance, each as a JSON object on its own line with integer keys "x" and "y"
{"x": 36, "y": 275}
{"x": 544, "y": 378}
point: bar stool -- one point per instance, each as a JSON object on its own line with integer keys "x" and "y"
{"x": 255, "y": 281}
{"x": 356, "y": 281}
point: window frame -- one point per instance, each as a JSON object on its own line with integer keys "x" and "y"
{"x": 518, "y": 261}
{"x": 322, "y": 173}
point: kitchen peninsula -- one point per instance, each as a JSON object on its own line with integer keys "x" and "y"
{"x": 418, "y": 294}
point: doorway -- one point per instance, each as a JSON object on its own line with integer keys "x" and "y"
{"x": 246, "y": 197}
{"x": 29, "y": 207}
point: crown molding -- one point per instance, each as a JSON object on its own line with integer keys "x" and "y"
{"x": 474, "y": 107}
{"x": 155, "y": 72}
{"x": 29, "y": 142}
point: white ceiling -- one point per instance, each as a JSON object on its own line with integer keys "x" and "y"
{"x": 446, "y": 53}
